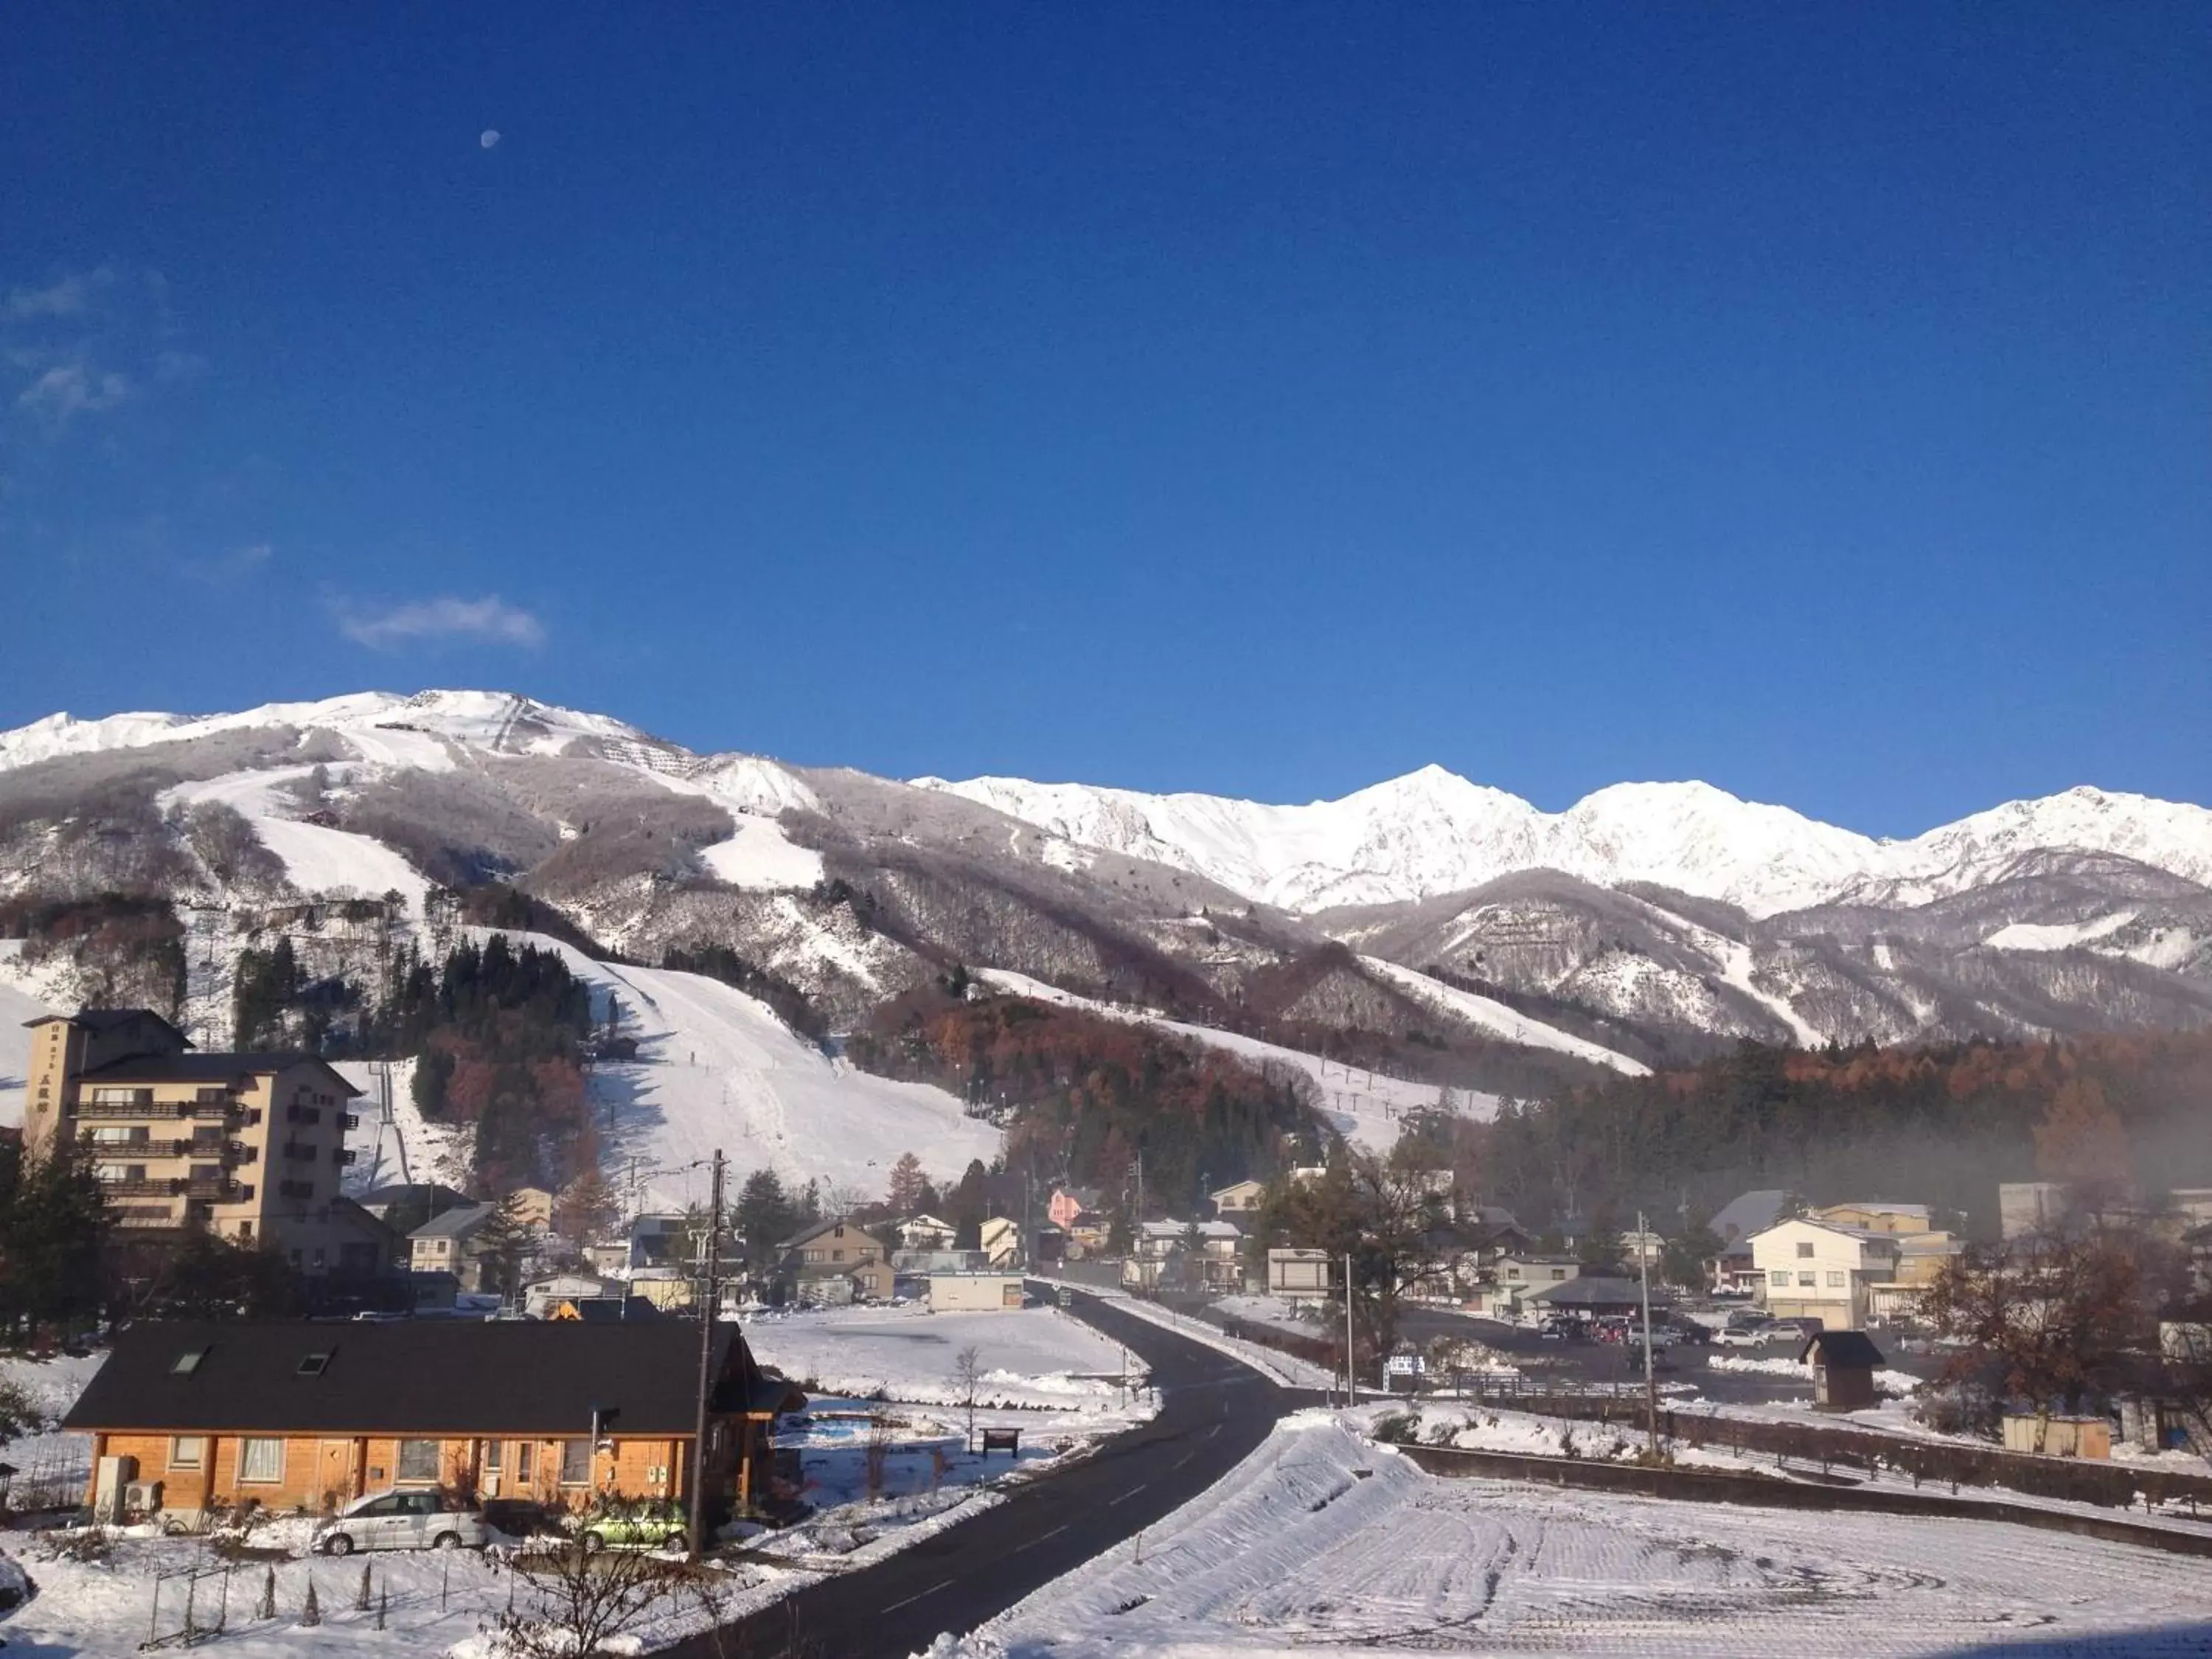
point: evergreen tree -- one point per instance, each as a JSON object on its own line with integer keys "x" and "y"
{"x": 907, "y": 1184}
{"x": 765, "y": 1218}
{"x": 504, "y": 1243}
{"x": 53, "y": 1222}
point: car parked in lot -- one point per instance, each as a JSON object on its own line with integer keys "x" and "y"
{"x": 1740, "y": 1336}
{"x": 652, "y": 1524}
{"x": 424, "y": 1519}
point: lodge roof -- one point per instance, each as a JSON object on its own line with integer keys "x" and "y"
{"x": 107, "y": 1019}
{"x": 431, "y": 1377}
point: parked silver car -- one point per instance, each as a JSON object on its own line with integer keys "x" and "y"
{"x": 412, "y": 1520}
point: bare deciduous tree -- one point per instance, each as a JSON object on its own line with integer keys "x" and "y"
{"x": 967, "y": 1376}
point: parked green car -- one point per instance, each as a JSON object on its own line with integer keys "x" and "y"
{"x": 649, "y": 1524}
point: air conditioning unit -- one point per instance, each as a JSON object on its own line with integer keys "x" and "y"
{"x": 142, "y": 1497}
{"x": 111, "y": 1475}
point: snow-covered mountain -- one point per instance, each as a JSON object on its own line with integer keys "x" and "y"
{"x": 1432, "y": 832}
{"x": 1426, "y": 923}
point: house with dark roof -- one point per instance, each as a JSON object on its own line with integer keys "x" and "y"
{"x": 300, "y": 1414}
{"x": 834, "y": 1261}
{"x": 248, "y": 1147}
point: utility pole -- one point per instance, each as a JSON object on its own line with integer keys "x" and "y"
{"x": 1650, "y": 1388}
{"x": 695, "y": 1535}
{"x": 1351, "y": 1354}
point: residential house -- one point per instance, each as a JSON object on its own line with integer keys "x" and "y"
{"x": 1921, "y": 1258}
{"x": 1238, "y": 1199}
{"x": 1844, "y": 1363}
{"x": 834, "y": 1261}
{"x": 310, "y": 1415}
{"x": 1000, "y": 1240}
{"x": 1503, "y": 1286}
{"x": 1874, "y": 1217}
{"x": 1190, "y": 1255}
{"x": 1069, "y": 1205}
{"x": 405, "y": 1206}
{"x": 1642, "y": 1245}
{"x": 926, "y": 1232}
{"x": 1733, "y": 1224}
{"x": 249, "y": 1146}
{"x": 1819, "y": 1270}
{"x": 446, "y": 1245}
{"x": 533, "y": 1207}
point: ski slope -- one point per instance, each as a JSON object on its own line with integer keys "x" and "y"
{"x": 1367, "y": 1108}
{"x": 316, "y": 860}
{"x": 715, "y": 1068}
{"x": 1495, "y": 1017}
{"x": 16, "y": 1007}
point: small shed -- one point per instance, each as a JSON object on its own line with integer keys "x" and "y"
{"x": 974, "y": 1292}
{"x": 1844, "y": 1365}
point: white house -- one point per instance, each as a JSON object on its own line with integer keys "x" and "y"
{"x": 1206, "y": 1254}
{"x": 1512, "y": 1277}
{"x": 926, "y": 1232}
{"x": 1819, "y": 1270}
{"x": 1238, "y": 1198}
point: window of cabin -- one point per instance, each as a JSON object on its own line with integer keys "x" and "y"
{"x": 575, "y": 1462}
{"x": 187, "y": 1451}
{"x": 526, "y": 1460}
{"x": 493, "y": 1451}
{"x": 261, "y": 1461}
{"x": 418, "y": 1459}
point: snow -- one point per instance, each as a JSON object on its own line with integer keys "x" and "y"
{"x": 1367, "y": 1108}
{"x": 760, "y": 855}
{"x": 1495, "y": 1016}
{"x": 373, "y": 721}
{"x": 1433, "y": 832}
{"x": 1041, "y": 1359}
{"x": 52, "y": 1468}
{"x": 16, "y": 1007}
{"x": 317, "y": 859}
{"x": 717, "y": 1069}
{"x": 1287, "y": 1370}
{"x": 1324, "y": 1539}
{"x": 2057, "y": 936}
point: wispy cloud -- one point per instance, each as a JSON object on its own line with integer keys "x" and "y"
{"x": 68, "y": 296}
{"x": 233, "y": 566}
{"x": 75, "y": 388}
{"x": 420, "y": 622}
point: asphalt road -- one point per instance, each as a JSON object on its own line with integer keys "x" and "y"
{"x": 1213, "y": 1412}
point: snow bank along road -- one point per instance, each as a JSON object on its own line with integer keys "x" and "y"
{"x": 1214, "y": 1411}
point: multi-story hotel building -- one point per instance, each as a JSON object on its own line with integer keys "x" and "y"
{"x": 248, "y": 1147}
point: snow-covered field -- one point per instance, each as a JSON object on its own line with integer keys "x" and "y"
{"x": 1495, "y": 1016}
{"x": 15, "y": 1006}
{"x": 1367, "y": 1107}
{"x": 1322, "y": 1539}
{"x": 1039, "y": 1357}
{"x": 49, "y": 1467}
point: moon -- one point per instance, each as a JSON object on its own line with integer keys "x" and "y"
{"x": 488, "y": 137}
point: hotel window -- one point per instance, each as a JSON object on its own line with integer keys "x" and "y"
{"x": 186, "y": 1451}
{"x": 418, "y": 1459}
{"x": 261, "y": 1461}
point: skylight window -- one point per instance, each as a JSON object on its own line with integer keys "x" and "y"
{"x": 312, "y": 1364}
{"x": 188, "y": 1362}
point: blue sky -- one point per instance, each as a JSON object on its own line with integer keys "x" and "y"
{"x": 1813, "y": 399}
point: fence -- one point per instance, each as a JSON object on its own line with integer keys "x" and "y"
{"x": 2112, "y": 1485}
{"x": 193, "y": 1601}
